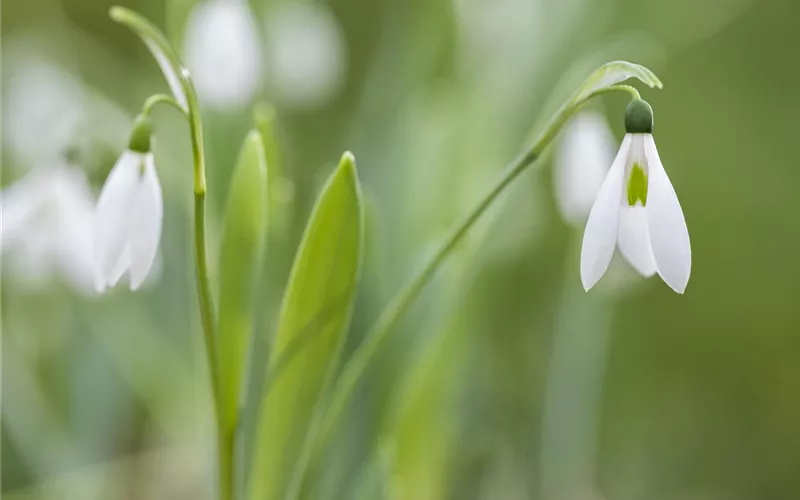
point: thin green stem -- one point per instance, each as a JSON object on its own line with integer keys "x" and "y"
{"x": 360, "y": 360}
{"x": 156, "y": 99}
{"x": 225, "y": 437}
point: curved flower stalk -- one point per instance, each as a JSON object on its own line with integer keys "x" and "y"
{"x": 185, "y": 99}
{"x": 638, "y": 211}
{"x": 604, "y": 80}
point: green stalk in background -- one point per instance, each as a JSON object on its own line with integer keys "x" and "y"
{"x": 185, "y": 97}
{"x": 602, "y": 81}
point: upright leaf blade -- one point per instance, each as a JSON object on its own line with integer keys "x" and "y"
{"x": 314, "y": 318}
{"x": 242, "y": 252}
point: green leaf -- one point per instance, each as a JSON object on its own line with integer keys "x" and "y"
{"x": 241, "y": 257}
{"x": 159, "y": 46}
{"x": 314, "y": 318}
{"x": 613, "y": 73}
{"x": 280, "y": 187}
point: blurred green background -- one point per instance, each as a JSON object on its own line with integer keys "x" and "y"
{"x": 506, "y": 381}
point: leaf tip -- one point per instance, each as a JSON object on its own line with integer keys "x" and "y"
{"x": 117, "y": 13}
{"x": 348, "y": 163}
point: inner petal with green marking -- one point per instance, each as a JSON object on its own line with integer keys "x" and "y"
{"x": 637, "y": 185}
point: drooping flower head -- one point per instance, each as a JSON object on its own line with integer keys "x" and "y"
{"x": 638, "y": 211}
{"x": 129, "y": 215}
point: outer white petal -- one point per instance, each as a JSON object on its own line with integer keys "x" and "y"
{"x": 581, "y": 163}
{"x": 600, "y": 237}
{"x": 146, "y": 222}
{"x": 306, "y": 53}
{"x": 669, "y": 237}
{"x": 223, "y": 51}
{"x": 634, "y": 240}
{"x": 123, "y": 264}
{"x": 112, "y": 220}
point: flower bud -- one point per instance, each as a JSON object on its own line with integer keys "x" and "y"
{"x": 140, "y": 135}
{"x": 639, "y": 117}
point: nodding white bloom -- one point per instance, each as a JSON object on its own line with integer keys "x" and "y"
{"x": 129, "y": 215}
{"x": 580, "y": 164}
{"x": 306, "y": 54}
{"x": 637, "y": 209}
{"x": 223, "y": 52}
{"x": 46, "y": 228}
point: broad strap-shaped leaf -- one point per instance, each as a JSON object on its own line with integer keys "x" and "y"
{"x": 314, "y": 317}
{"x": 244, "y": 232}
{"x": 159, "y": 46}
{"x": 613, "y": 73}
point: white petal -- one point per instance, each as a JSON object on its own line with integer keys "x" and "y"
{"x": 223, "y": 52}
{"x": 600, "y": 237}
{"x": 634, "y": 240}
{"x": 112, "y": 220}
{"x": 306, "y": 51}
{"x": 146, "y": 221}
{"x": 580, "y": 164}
{"x": 123, "y": 264}
{"x": 669, "y": 238}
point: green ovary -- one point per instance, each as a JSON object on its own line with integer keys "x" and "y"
{"x": 637, "y": 185}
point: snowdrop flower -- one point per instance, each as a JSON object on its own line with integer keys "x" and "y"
{"x": 306, "y": 54}
{"x": 580, "y": 164}
{"x": 223, "y": 52}
{"x": 44, "y": 104}
{"x": 46, "y": 228}
{"x": 129, "y": 215}
{"x": 637, "y": 209}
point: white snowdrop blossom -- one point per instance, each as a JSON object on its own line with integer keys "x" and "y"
{"x": 305, "y": 54}
{"x": 638, "y": 211}
{"x": 580, "y": 164}
{"x": 128, "y": 221}
{"x": 43, "y": 105}
{"x": 46, "y": 228}
{"x": 223, "y": 52}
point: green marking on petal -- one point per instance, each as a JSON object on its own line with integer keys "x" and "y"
{"x": 637, "y": 186}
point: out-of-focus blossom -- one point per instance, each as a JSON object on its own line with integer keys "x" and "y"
{"x": 305, "y": 53}
{"x": 581, "y": 161}
{"x": 47, "y": 228}
{"x": 128, "y": 221}
{"x": 637, "y": 209}
{"x": 44, "y": 105}
{"x": 223, "y": 52}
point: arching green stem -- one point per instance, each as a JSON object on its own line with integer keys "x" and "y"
{"x": 357, "y": 365}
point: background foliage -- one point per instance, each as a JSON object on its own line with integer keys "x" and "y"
{"x": 506, "y": 381}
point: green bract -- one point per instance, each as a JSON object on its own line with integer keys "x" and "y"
{"x": 167, "y": 60}
{"x": 613, "y": 73}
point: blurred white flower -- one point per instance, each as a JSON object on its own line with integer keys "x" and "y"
{"x": 581, "y": 160}
{"x": 46, "y": 228}
{"x": 43, "y": 106}
{"x": 223, "y": 52}
{"x": 637, "y": 209}
{"x": 305, "y": 53}
{"x": 128, "y": 221}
